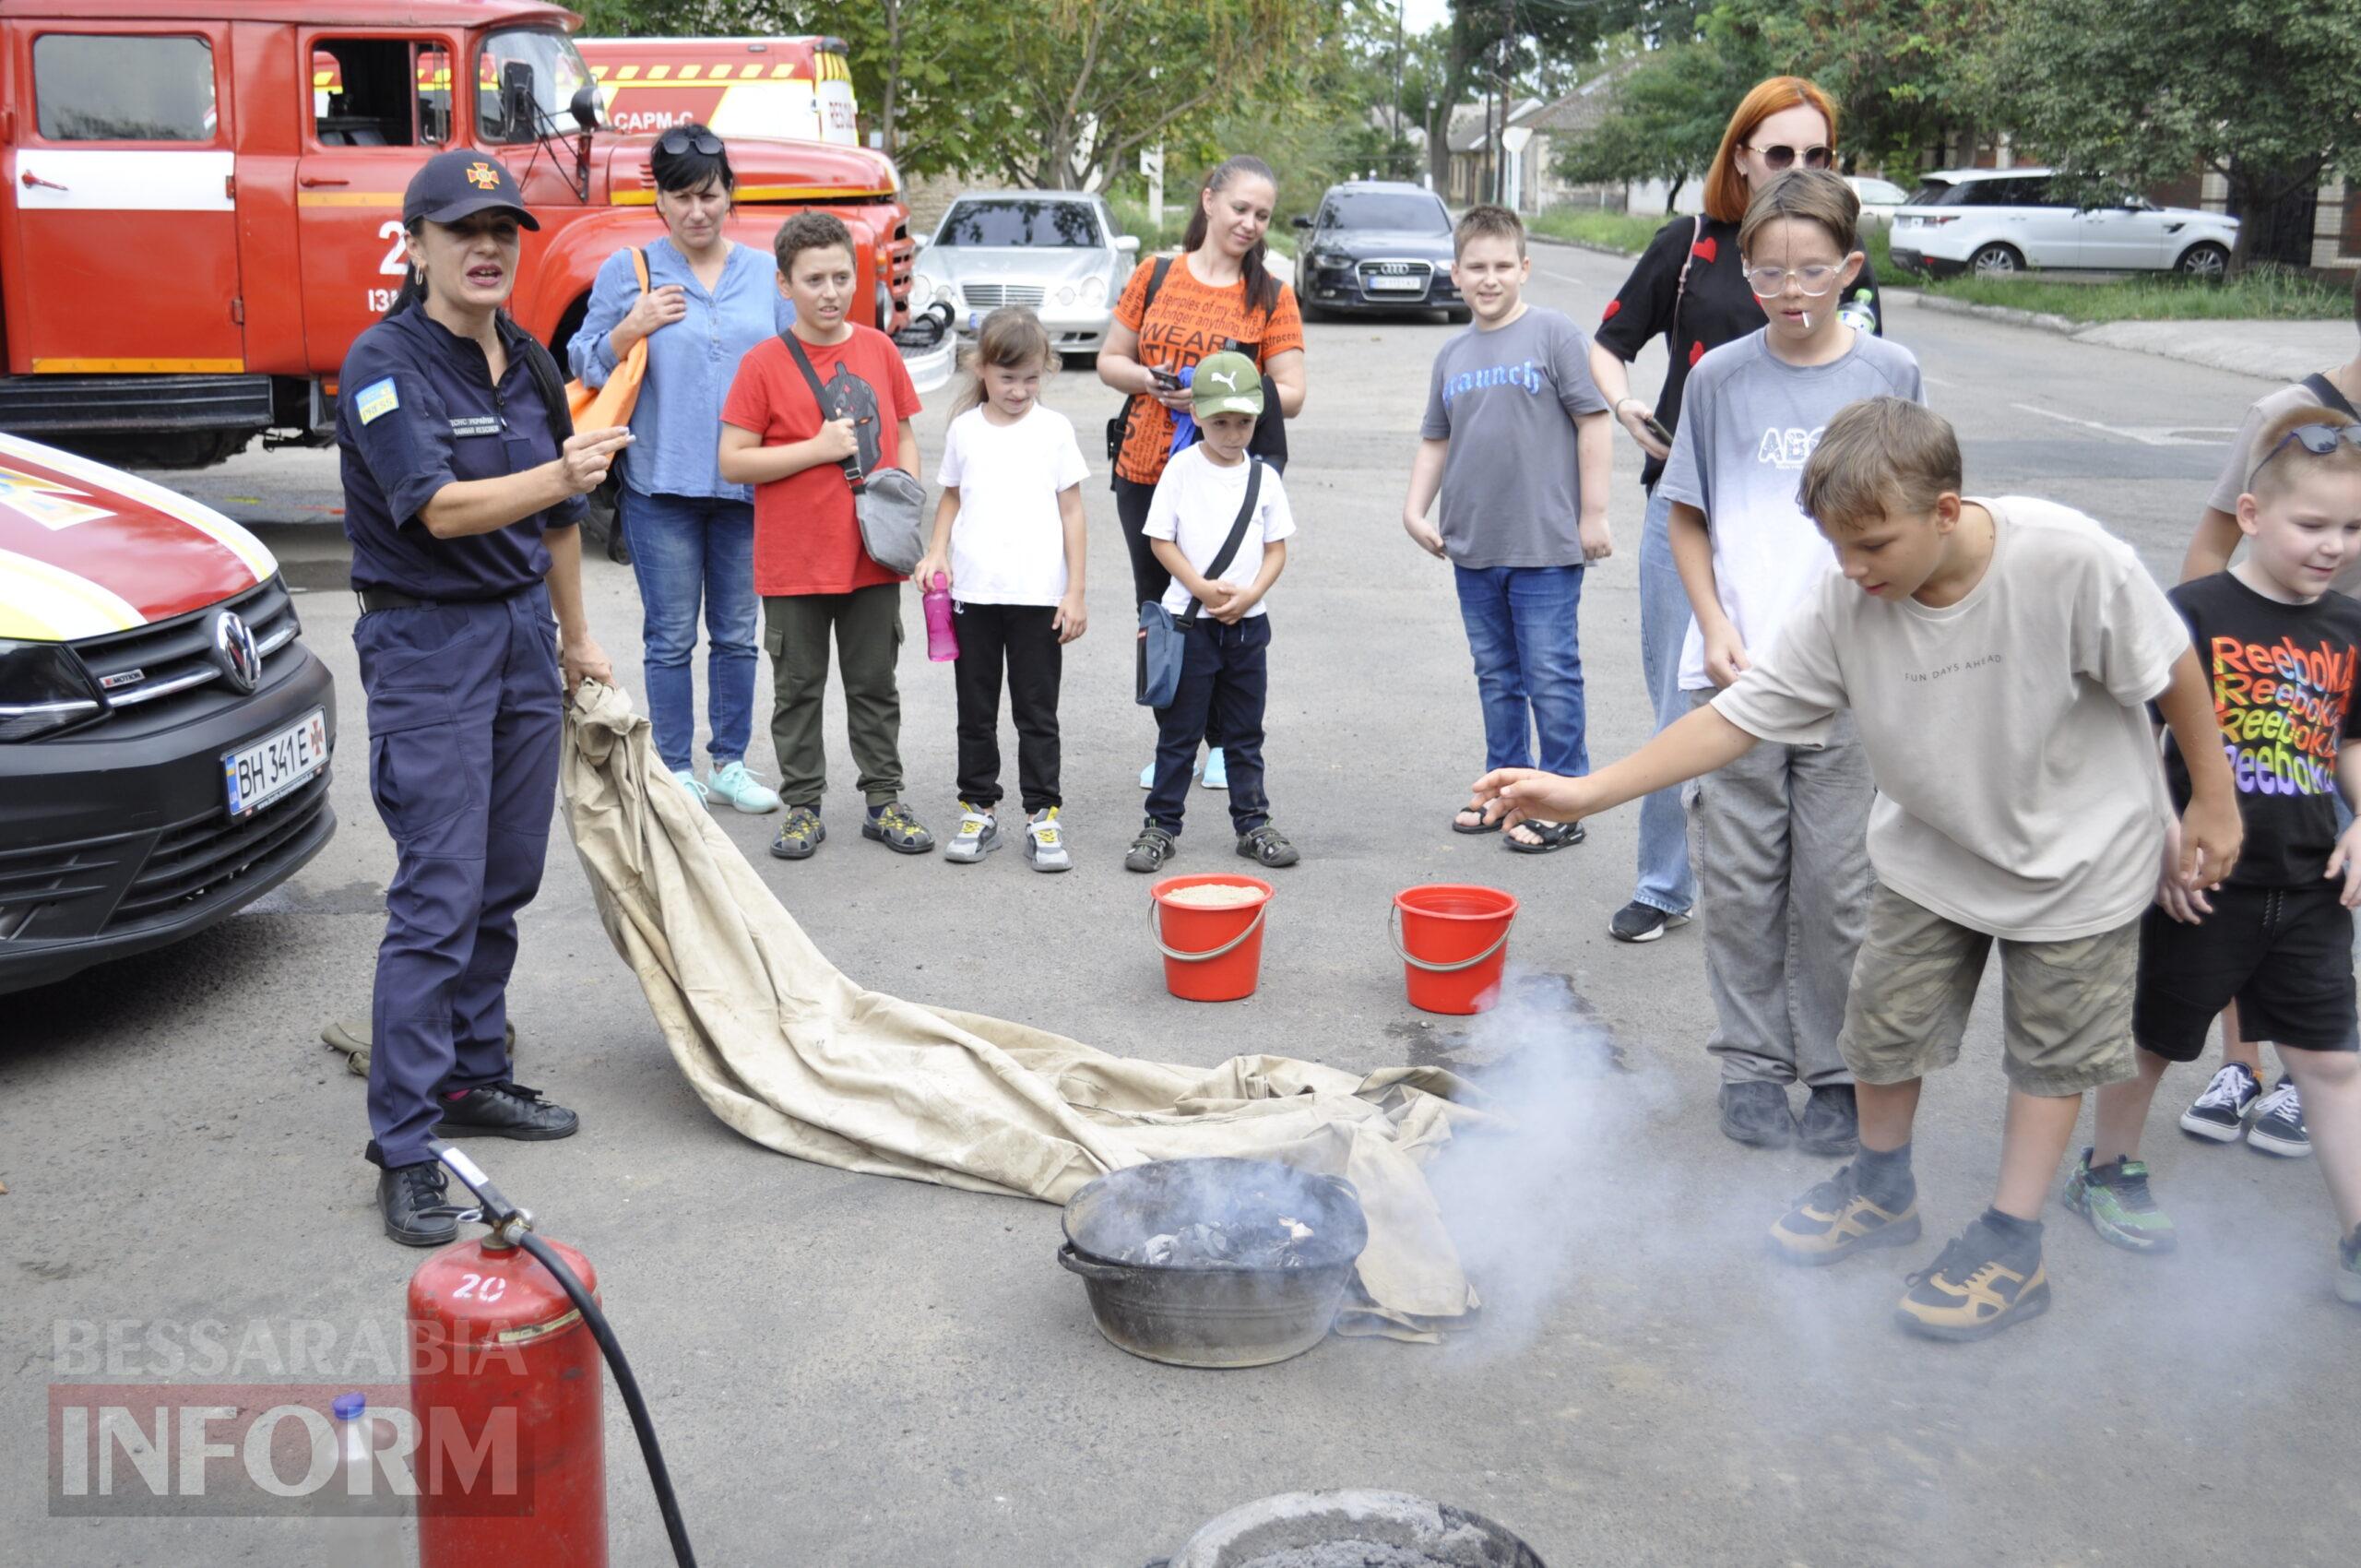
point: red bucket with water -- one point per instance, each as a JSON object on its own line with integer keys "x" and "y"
{"x": 1454, "y": 941}
{"x": 1212, "y": 953}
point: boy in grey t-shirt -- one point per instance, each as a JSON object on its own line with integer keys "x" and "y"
{"x": 1517, "y": 440}
{"x": 1782, "y": 868}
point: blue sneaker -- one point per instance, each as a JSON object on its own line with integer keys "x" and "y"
{"x": 731, "y": 782}
{"x": 1217, "y": 774}
{"x": 694, "y": 786}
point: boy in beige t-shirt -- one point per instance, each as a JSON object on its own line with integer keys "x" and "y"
{"x": 1997, "y": 657}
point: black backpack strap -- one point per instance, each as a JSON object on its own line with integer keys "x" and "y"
{"x": 1157, "y": 270}
{"x": 1228, "y": 551}
{"x": 2321, "y": 387}
{"x": 851, "y": 465}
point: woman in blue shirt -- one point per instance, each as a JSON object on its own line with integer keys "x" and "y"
{"x": 692, "y": 533}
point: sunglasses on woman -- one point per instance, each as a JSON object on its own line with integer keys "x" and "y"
{"x": 2319, "y": 440}
{"x": 677, "y": 141}
{"x": 1778, "y": 158}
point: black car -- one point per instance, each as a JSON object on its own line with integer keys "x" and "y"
{"x": 165, "y": 733}
{"x": 1377, "y": 245}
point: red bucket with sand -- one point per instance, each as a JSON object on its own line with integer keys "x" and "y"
{"x": 1454, "y": 941}
{"x": 1209, "y": 929}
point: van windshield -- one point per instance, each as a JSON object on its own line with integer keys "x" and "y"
{"x": 558, "y": 73}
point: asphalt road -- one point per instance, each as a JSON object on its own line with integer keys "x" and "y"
{"x": 862, "y": 1373}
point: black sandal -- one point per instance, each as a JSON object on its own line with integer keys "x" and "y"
{"x": 1459, "y": 826}
{"x": 1548, "y": 836}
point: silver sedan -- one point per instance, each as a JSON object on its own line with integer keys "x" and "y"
{"x": 1056, "y": 253}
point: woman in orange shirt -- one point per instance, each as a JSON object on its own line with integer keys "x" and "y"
{"x": 1217, "y": 294}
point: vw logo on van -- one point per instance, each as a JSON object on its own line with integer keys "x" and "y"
{"x": 234, "y": 649}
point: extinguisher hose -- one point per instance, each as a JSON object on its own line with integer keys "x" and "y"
{"x": 629, "y": 1386}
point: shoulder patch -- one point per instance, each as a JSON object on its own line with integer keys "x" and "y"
{"x": 376, "y": 398}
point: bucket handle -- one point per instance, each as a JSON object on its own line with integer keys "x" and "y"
{"x": 1393, "y": 931}
{"x": 1074, "y": 1263}
{"x": 1156, "y": 929}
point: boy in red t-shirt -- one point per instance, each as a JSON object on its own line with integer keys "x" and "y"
{"x": 808, "y": 565}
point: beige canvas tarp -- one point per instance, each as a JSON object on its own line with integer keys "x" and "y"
{"x": 796, "y": 1055}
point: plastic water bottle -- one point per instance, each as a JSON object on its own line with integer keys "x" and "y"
{"x": 355, "y": 1539}
{"x": 1859, "y": 313}
{"x": 941, "y": 636}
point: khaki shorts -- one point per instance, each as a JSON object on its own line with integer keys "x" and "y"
{"x": 2066, "y": 1006}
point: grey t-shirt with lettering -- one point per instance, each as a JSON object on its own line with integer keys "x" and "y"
{"x": 1507, "y": 400}
{"x": 1748, "y": 420}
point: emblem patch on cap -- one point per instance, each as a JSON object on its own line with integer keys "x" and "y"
{"x": 482, "y": 176}
{"x": 377, "y": 398}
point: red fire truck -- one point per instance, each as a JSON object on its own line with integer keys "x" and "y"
{"x": 200, "y": 201}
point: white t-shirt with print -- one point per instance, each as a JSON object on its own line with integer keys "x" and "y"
{"x": 1008, "y": 543}
{"x": 2019, "y": 792}
{"x": 1196, "y": 501}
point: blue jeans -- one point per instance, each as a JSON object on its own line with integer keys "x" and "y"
{"x": 1521, "y": 627}
{"x": 1665, "y": 880}
{"x": 684, "y": 550}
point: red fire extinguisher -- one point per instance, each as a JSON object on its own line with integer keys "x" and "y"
{"x": 505, "y": 1337}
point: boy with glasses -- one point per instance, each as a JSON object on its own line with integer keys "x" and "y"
{"x": 1779, "y": 834}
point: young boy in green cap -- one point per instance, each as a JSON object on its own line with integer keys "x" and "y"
{"x": 1225, "y": 668}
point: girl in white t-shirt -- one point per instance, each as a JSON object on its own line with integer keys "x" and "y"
{"x": 1008, "y": 535}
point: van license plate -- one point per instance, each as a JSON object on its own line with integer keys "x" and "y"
{"x": 259, "y": 774}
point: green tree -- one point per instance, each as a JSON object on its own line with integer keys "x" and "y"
{"x": 1671, "y": 105}
{"x": 2128, "y": 93}
{"x": 1903, "y": 72}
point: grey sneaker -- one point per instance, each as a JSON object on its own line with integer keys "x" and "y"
{"x": 979, "y": 836}
{"x": 2348, "y": 1269}
{"x": 2278, "y": 1125}
{"x": 1045, "y": 841}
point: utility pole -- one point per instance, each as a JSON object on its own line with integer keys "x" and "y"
{"x": 1396, "y": 150}
{"x": 1500, "y": 147}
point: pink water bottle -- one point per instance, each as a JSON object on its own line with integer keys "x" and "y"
{"x": 942, "y": 637}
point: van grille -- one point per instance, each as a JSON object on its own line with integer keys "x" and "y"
{"x": 156, "y": 662}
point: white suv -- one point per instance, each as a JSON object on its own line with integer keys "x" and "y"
{"x": 1999, "y": 221}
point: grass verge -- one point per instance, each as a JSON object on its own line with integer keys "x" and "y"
{"x": 1631, "y": 231}
{"x": 2262, "y": 293}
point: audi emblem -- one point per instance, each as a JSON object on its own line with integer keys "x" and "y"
{"x": 233, "y": 650}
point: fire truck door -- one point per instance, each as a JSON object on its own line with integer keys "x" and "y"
{"x": 378, "y": 107}
{"x": 126, "y": 207}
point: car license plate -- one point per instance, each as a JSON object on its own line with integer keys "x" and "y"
{"x": 1389, "y": 284}
{"x": 257, "y": 774}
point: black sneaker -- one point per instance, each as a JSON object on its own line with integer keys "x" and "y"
{"x": 2279, "y": 1124}
{"x": 1831, "y": 1123}
{"x": 1757, "y": 1114}
{"x": 407, "y": 1196}
{"x": 1636, "y": 921}
{"x": 506, "y": 1111}
{"x": 2219, "y": 1114}
{"x": 1150, "y": 850}
{"x": 1267, "y": 847}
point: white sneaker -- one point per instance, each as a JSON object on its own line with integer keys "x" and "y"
{"x": 742, "y": 789}
{"x": 979, "y": 836}
{"x": 1045, "y": 841}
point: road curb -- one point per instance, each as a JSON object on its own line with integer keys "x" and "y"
{"x": 1591, "y": 246}
{"x": 2042, "y": 321}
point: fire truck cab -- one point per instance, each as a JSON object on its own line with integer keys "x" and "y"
{"x": 200, "y": 201}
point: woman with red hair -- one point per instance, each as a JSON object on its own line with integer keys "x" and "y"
{"x": 1687, "y": 289}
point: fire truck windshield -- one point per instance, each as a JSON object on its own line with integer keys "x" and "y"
{"x": 557, "y": 74}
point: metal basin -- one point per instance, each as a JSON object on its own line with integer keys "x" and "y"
{"x": 1360, "y": 1528}
{"x": 1213, "y": 1315}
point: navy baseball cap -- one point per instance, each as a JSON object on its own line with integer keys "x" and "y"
{"x": 452, "y": 185}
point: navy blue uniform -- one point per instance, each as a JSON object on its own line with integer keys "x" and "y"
{"x": 465, "y": 703}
